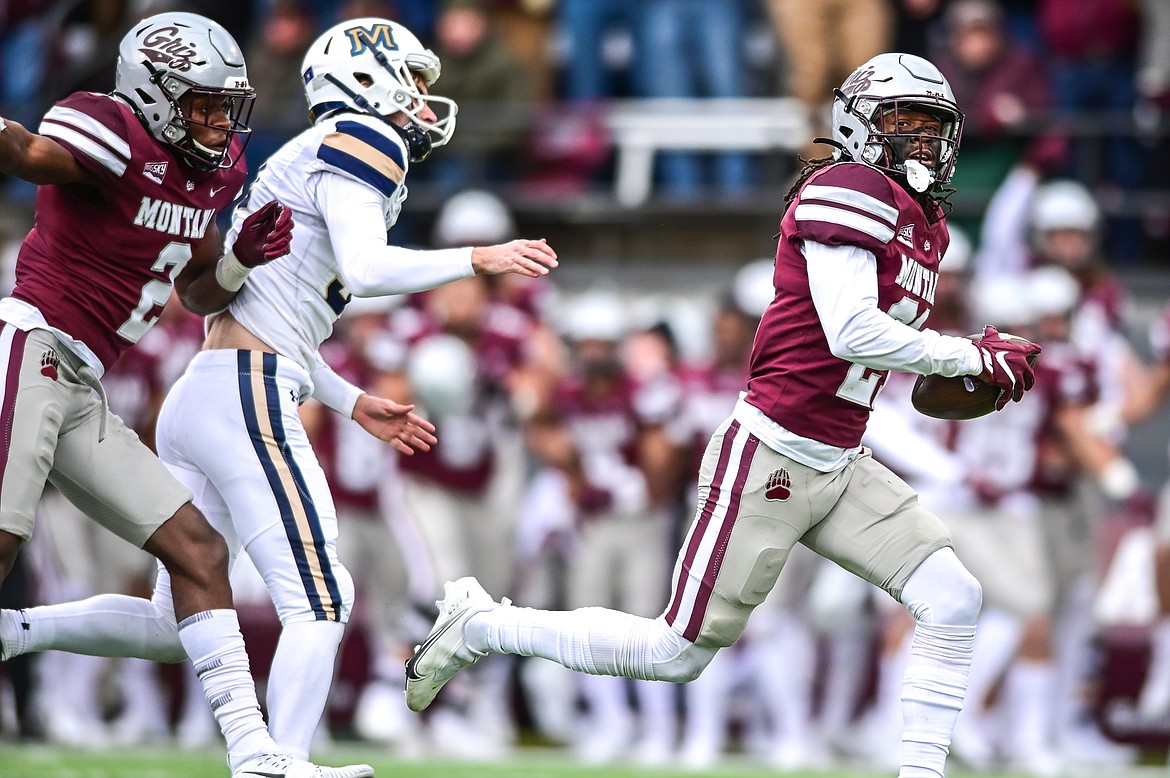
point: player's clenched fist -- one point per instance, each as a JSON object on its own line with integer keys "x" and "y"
{"x": 264, "y": 236}
{"x": 1007, "y": 363}
{"x": 524, "y": 257}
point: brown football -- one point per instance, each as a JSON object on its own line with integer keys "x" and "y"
{"x": 958, "y": 398}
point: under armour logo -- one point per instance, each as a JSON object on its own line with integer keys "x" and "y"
{"x": 49, "y": 362}
{"x": 779, "y": 486}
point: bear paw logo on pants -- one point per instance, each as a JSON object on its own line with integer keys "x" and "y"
{"x": 779, "y": 486}
{"x": 49, "y": 362}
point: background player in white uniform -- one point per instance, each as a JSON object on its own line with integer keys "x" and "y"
{"x": 229, "y": 429}
{"x": 129, "y": 187}
{"x": 855, "y": 274}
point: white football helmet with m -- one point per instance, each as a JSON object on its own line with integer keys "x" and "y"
{"x": 169, "y": 55}
{"x": 886, "y": 84}
{"x": 368, "y": 65}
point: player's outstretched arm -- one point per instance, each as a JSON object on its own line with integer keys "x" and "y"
{"x": 210, "y": 281}
{"x": 37, "y": 159}
{"x": 532, "y": 258}
{"x": 394, "y": 423}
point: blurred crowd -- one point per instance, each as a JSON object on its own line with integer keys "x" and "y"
{"x": 1076, "y": 88}
{"x": 571, "y": 420}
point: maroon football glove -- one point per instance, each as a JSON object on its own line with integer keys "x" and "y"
{"x": 265, "y": 235}
{"x": 1006, "y": 364}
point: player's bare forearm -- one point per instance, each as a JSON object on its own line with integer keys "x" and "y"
{"x": 37, "y": 159}
{"x": 198, "y": 287}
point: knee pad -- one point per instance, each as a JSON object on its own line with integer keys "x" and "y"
{"x": 942, "y": 591}
{"x": 676, "y": 659}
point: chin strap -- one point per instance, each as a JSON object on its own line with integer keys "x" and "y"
{"x": 846, "y": 156}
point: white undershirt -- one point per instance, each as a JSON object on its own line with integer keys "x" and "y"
{"x": 843, "y": 282}
{"x": 368, "y": 265}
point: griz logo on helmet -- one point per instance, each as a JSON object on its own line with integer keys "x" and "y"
{"x": 362, "y": 38}
{"x": 164, "y": 46}
{"x": 858, "y": 82}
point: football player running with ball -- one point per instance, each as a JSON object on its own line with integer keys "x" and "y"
{"x": 230, "y": 429}
{"x": 130, "y": 184}
{"x": 854, "y": 281}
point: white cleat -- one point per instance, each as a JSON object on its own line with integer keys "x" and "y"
{"x": 444, "y": 653}
{"x": 284, "y": 766}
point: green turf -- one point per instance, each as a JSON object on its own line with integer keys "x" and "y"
{"x": 45, "y": 762}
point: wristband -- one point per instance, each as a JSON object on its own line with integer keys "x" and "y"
{"x": 230, "y": 272}
{"x": 3, "y": 124}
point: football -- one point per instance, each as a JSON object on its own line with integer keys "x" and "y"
{"x": 958, "y": 398}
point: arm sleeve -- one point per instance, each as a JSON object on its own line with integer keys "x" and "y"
{"x": 1003, "y": 238}
{"x": 355, "y": 215}
{"x": 331, "y": 390}
{"x": 843, "y": 282}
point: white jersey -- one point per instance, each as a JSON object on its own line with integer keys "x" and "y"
{"x": 344, "y": 180}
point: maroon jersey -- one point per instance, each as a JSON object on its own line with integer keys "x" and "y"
{"x": 463, "y": 459}
{"x": 709, "y": 394}
{"x": 795, "y": 379}
{"x": 100, "y": 264}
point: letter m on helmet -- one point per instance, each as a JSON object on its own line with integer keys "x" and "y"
{"x": 362, "y": 38}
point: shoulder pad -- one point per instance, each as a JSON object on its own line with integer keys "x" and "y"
{"x": 848, "y": 203}
{"x": 93, "y": 128}
{"x": 365, "y": 150}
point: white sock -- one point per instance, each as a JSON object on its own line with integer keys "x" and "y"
{"x": 142, "y": 693}
{"x": 657, "y": 712}
{"x": 106, "y": 625}
{"x": 786, "y": 685}
{"x": 598, "y": 641}
{"x": 707, "y": 702}
{"x": 299, "y": 682}
{"x": 849, "y": 654}
{"x": 606, "y": 698}
{"x": 887, "y": 704}
{"x": 216, "y": 647}
{"x": 1030, "y": 684}
{"x": 933, "y": 689}
{"x": 996, "y": 644}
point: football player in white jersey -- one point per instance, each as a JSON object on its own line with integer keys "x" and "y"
{"x": 230, "y": 429}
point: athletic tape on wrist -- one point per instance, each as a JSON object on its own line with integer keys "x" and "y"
{"x": 230, "y": 272}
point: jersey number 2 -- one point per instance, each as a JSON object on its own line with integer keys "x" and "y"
{"x": 155, "y": 293}
{"x": 862, "y": 384}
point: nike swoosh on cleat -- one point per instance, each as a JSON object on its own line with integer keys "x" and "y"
{"x": 410, "y": 672}
{"x": 262, "y": 775}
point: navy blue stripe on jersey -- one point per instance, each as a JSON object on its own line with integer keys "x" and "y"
{"x": 260, "y": 398}
{"x": 365, "y": 154}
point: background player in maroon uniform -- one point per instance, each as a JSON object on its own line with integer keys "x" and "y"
{"x": 855, "y": 278}
{"x": 130, "y": 184}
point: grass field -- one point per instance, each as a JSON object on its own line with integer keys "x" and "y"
{"x": 42, "y": 762}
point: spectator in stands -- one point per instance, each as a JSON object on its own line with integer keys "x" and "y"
{"x": 823, "y": 41}
{"x": 284, "y": 34}
{"x": 1092, "y": 48}
{"x": 596, "y": 43}
{"x": 1000, "y": 84}
{"x": 494, "y": 92}
{"x": 695, "y": 48}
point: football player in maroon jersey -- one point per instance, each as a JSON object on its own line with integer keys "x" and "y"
{"x": 855, "y": 278}
{"x": 130, "y": 184}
